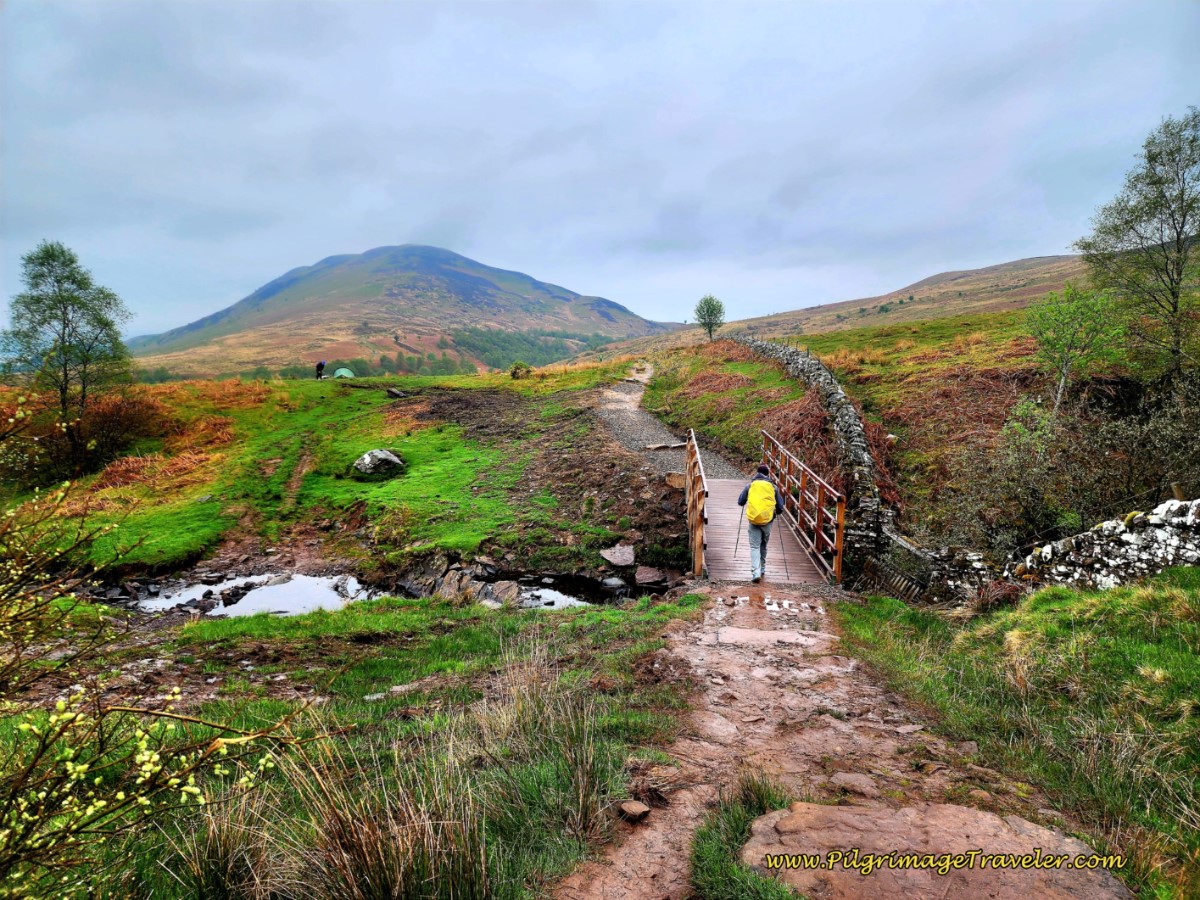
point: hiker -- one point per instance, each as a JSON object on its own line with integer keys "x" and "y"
{"x": 320, "y": 370}
{"x": 763, "y": 503}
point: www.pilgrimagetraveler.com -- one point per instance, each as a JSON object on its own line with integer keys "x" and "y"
{"x": 943, "y": 863}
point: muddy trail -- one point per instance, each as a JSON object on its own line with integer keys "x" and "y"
{"x": 777, "y": 696}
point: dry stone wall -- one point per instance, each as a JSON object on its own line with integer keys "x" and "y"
{"x": 1120, "y": 551}
{"x": 847, "y": 426}
{"x": 1112, "y": 553}
{"x": 867, "y": 518}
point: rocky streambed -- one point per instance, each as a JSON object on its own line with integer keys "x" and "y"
{"x": 239, "y": 592}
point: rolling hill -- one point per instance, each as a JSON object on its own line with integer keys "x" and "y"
{"x": 999, "y": 288}
{"x": 409, "y": 299}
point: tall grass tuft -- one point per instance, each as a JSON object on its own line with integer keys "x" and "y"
{"x": 229, "y": 854}
{"x": 376, "y": 838}
{"x": 716, "y": 872}
{"x": 504, "y": 794}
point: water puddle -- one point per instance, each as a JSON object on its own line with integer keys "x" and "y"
{"x": 566, "y": 591}
{"x": 284, "y": 595}
{"x": 548, "y": 598}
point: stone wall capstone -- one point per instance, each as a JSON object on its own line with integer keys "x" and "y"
{"x": 1119, "y": 551}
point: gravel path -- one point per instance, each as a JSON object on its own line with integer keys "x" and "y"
{"x": 620, "y": 408}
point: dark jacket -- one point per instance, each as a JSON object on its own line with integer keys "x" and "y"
{"x": 745, "y": 494}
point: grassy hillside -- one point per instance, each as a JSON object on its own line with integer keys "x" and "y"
{"x": 937, "y": 387}
{"x": 957, "y": 295}
{"x": 408, "y": 299}
{"x": 1089, "y": 695}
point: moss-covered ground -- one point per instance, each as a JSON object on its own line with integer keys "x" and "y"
{"x": 261, "y": 458}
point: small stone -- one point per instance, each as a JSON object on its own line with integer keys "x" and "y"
{"x": 649, "y": 575}
{"x": 979, "y": 796}
{"x": 633, "y": 810}
{"x": 968, "y": 748}
{"x": 620, "y": 555}
{"x": 909, "y": 729}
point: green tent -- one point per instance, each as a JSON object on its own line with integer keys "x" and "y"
{"x": 343, "y": 372}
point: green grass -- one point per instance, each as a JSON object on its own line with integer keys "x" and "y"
{"x": 525, "y": 790}
{"x": 1091, "y": 696}
{"x": 731, "y": 417}
{"x": 456, "y": 492}
{"x": 717, "y": 874}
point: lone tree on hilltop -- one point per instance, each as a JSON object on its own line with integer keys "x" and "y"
{"x": 1144, "y": 247}
{"x": 65, "y": 337}
{"x": 710, "y": 314}
{"x": 1076, "y": 332}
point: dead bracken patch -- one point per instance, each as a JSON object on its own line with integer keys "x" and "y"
{"x": 405, "y": 417}
{"x": 206, "y": 431}
{"x": 727, "y": 351}
{"x": 177, "y": 471}
{"x": 714, "y": 383}
{"x": 969, "y": 402}
{"x": 803, "y": 427}
{"x": 231, "y": 393}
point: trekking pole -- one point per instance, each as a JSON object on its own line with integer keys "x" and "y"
{"x": 783, "y": 550}
{"x": 737, "y": 539}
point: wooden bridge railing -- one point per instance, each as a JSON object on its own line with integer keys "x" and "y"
{"x": 697, "y": 496}
{"x": 816, "y": 512}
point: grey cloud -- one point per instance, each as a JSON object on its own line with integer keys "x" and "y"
{"x": 777, "y": 154}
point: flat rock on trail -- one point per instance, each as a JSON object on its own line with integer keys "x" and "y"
{"x": 776, "y": 695}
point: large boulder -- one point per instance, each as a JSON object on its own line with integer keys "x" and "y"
{"x": 378, "y": 465}
{"x": 922, "y": 829}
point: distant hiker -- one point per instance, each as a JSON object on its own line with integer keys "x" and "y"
{"x": 763, "y": 503}
{"x": 320, "y": 370}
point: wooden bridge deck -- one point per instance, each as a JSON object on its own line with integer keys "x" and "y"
{"x": 788, "y": 561}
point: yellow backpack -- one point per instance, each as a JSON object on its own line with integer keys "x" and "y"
{"x": 760, "y": 502}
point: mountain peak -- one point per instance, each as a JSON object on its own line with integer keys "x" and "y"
{"x": 406, "y": 296}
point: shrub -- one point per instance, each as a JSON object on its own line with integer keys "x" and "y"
{"x": 520, "y": 369}
{"x": 74, "y": 774}
{"x": 50, "y": 451}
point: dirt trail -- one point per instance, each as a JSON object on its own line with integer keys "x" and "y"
{"x": 778, "y": 696}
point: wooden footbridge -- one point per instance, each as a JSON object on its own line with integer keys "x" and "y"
{"x": 806, "y": 542}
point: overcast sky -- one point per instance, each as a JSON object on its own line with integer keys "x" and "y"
{"x": 776, "y": 154}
